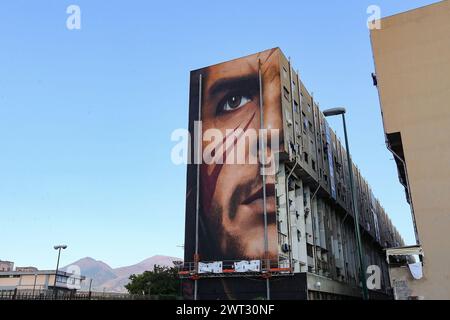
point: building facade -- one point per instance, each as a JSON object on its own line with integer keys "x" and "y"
{"x": 412, "y": 61}
{"x": 268, "y": 207}
{"x": 26, "y": 269}
{"x": 38, "y": 280}
{"x": 6, "y": 265}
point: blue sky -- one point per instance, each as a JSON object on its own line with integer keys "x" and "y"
{"x": 86, "y": 115}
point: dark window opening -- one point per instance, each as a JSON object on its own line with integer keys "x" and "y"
{"x": 286, "y": 93}
{"x": 309, "y": 250}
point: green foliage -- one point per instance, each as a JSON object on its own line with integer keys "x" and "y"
{"x": 160, "y": 281}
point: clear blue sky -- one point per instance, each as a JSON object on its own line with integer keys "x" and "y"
{"x": 86, "y": 115}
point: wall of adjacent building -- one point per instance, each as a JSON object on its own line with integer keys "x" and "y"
{"x": 412, "y": 58}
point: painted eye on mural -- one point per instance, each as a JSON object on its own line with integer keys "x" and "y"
{"x": 233, "y": 102}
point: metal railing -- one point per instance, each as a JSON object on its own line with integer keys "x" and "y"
{"x": 80, "y": 295}
{"x": 272, "y": 267}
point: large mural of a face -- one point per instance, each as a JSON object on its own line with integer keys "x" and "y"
{"x": 231, "y": 215}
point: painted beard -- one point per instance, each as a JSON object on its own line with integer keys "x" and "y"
{"x": 219, "y": 243}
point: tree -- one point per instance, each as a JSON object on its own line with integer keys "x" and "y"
{"x": 160, "y": 281}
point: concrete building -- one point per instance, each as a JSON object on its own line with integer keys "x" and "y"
{"x": 35, "y": 280}
{"x": 6, "y": 265}
{"x": 412, "y": 62}
{"x": 26, "y": 269}
{"x": 306, "y": 247}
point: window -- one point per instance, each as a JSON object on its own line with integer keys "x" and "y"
{"x": 286, "y": 93}
{"x": 310, "y": 126}
{"x": 313, "y": 165}
{"x": 305, "y": 156}
{"x": 309, "y": 250}
{"x": 296, "y": 107}
{"x": 299, "y": 235}
{"x": 61, "y": 279}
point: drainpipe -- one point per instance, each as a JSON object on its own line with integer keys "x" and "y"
{"x": 313, "y": 224}
{"x": 263, "y": 173}
{"x": 288, "y": 211}
{"x": 341, "y": 229}
{"x": 197, "y": 196}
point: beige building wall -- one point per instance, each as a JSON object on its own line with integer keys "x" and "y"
{"x": 9, "y": 282}
{"x": 28, "y": 281}
{"x": 38, "y": 281}
{"x": 24, "y": 282}
{"x": 412, "y": 58}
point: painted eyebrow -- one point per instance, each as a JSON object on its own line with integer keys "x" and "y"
{"x": 234, "y": 83}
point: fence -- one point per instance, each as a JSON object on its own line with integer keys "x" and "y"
{"x": 81, "y": 295}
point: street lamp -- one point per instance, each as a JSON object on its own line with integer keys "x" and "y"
{"x": 336, "y": 112}
{"x": 58, "y": 247}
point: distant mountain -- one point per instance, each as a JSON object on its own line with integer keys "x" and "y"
{"x": 108, "y": 279}
{"x": 93, "y": 269}
{"x": 145, "y": 265}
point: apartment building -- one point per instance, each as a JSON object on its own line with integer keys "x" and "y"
{"x": 282, "y": 227}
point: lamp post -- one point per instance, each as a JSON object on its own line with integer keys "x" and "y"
{"x": 57, "y": 247}
{"x": 336, "y": 112}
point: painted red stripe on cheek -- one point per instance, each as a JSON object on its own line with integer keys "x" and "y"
{"x": 209, "y": 182}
